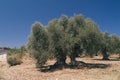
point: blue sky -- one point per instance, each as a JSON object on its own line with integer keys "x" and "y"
{"x": 17, "y": 16}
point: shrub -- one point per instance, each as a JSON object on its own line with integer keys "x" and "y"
{"x": 13, "y": 60}
{"x": 14, "y": 57}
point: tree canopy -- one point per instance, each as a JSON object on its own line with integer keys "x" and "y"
{"x": 70, "y": 37}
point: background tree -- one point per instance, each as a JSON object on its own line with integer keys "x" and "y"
{"x": 105, "y": 45}
{"x": 115, "y": 44}
{"x": 90, "y": 38}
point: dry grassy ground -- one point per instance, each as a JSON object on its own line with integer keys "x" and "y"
{"x": 27, "y": 71}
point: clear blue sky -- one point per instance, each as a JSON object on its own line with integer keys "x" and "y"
{"x": 17, "y": 16}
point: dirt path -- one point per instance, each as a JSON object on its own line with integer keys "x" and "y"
{"x": 3, "y": 64}
{"x": 3, "y": 58}
{"x": 27, "y": 71}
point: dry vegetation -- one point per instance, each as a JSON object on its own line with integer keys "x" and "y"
{"x": 28, "y": 71}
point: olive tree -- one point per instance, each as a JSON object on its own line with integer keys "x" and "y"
{"x": 90, "y": 38}
{"x": 38, "y": 44}
{"x": 75, "y": 25}
{"x": 69, "y": 37}
{"x": 105, "y": 45}
{"x": 56, "y": 30}
{"x": 115, "y": 44}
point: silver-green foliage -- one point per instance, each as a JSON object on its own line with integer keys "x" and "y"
{"x": 38, "y": 44}
{"x": 91, "y": 37}
{"x": 69, "y": 37}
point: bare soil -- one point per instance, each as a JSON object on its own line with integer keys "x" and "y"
{"x": 95, "y": 70}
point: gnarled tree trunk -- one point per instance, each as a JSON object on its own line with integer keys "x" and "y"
{"x": 104, "y": 53}
{"x": 74, "y": 63}
{"x": 72, "y": 59}
{"x": 61, "y": 59}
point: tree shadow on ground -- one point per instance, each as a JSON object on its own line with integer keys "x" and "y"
{"x": 77, "y": 65}
{"x": 117, "y": 59}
